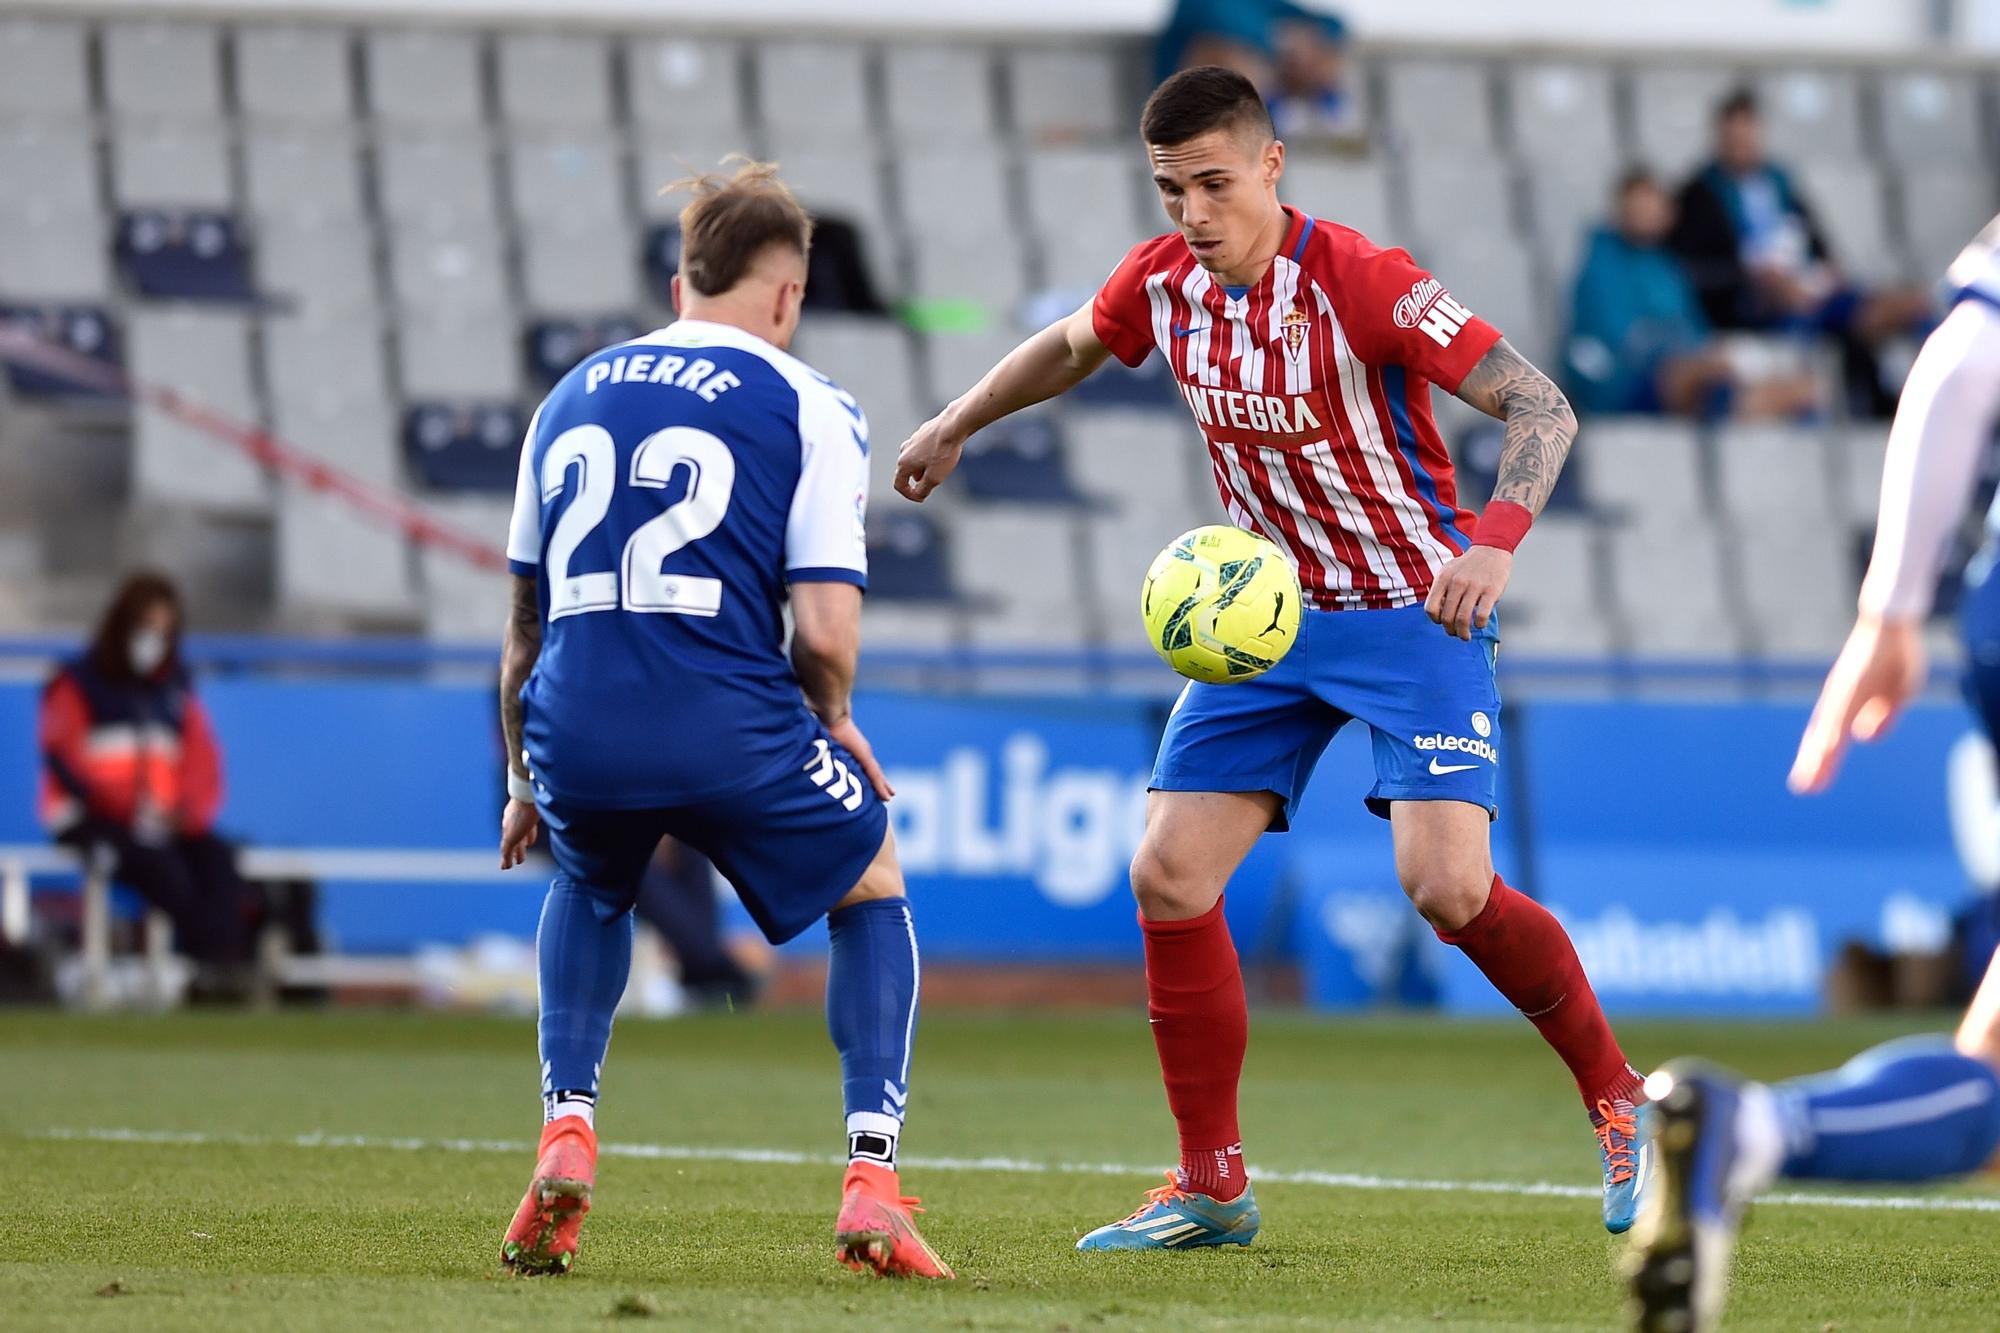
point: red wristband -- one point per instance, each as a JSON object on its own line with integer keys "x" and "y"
{"x": 1502, "y": 523}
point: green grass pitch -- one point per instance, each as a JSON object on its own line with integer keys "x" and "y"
{"x": 245, "y": 1223}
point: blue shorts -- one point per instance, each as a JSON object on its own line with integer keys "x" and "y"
{"x": 1430, "y": 701}
{"x": 793, "y": 845}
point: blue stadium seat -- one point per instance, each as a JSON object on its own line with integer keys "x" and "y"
{"x": 84, "y": 329}
{"x": 464, "y": 446}
{"x": 1020, "y": 459}
{"x": 552, "y": 346}
{"x": 189, "y": 256}
{"x": 909, "y": 560}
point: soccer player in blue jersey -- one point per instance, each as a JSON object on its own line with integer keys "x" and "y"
{"x": 1920, "y": 1108}
{"x": 675, "y": 492}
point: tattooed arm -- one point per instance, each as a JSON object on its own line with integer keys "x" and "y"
{"x": 519, "y": 647}
{"x": 1540, "y": 427}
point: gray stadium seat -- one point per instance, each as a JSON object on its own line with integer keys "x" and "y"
{"x": 1767, "y": 467}
{"x": 423, "y": 76}
{"x": 957, "y": 361}
{"x": 1810, "y": 113}
{"x": 814, "y": 92}
{"x": 1120, "y": 548}
{"x": 178, "y": 164}
{"x": 1848, "y": 199}
{"x": 1562, "y": 110}
{"x": 1673, "y": 115}
{"x": 205, "y": 355}
{"x": 1930, "y": 118}
{"x": 302, "y": 172}
{"x": 886, "y": 624}
{"x": 1798, "y": 585}
{"x": 288, "y": 73}
{"x": 1440, "y": 104}
{"x": 154, "y": 69}
{"x": 591, "y": 268}
{"x": 871, "y": 359}
{"x": 1943, "y": 208}
{"x": 43, "y": 68}
{"x": 661, "y": 164}
{"x": 462, "y": 601}
{"x": 1081, "y": 204}
{"x": 458, "y": 359}
{"x": 1859, "y": 451}
{"x": 357, "y": 435}
{"x": 1138, "y": 460}
{"x": 318, "y": 364}
{"x": 333, "y": 559}
{"x": 1455, "y": 194}
{"x": 961, "y": 191}
{"x": 50, "y": 170}
{"x": 1024, "y": 562}
{"x": 1552, "y": 606}
{"x": 1067, "y": 93}
{"x": 436, "y": 176}
{"x": 938, "y": 94}
{"x": 1641, "y": 466}
{"x": 565, "y": 180}
{"x": 1671, "y": 593}
{"x": 845, "y": 183}
{"x": 321, "y": 268}
{"x": 1568, "y": 200}
{"x": 677, "y": 84}
{"x": 1353, "y": 192}
{"x": 40, "y": 261}
{"x": 550, "y": 79}
{"x": 456, "y": 265}
{"x": 1491, "y": 275}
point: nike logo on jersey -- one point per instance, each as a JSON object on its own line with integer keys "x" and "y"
{"x": 1182, "y": 332}
{"x": 1439, "y": 770}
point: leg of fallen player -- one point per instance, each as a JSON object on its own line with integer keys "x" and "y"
{"x": 871, "y": 1013}
{"x": 1445, "y": 863}
{"x": 1195, "y": 1006}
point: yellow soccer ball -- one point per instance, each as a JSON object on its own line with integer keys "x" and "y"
{"x": 1221, "y": 605}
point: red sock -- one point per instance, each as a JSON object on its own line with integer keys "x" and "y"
{"x": 1526, "y": 954}
{"x": 1194, "y": 995}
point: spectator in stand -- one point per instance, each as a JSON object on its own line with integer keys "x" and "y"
{"x": 1295, "y": 56}
{"x": 131, "y": 773}
{"x": 1757, "y": 255}
{"x": 1639, "y": 341}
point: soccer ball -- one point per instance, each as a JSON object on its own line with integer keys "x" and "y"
{"x": 1221, "y": 605}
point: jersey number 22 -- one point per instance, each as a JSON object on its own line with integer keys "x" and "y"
{"x": 638, "y": 583}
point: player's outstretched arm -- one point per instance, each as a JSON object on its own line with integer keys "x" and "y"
{"x": 826, "y": 645}
{"x": 520, "y": 645}
{"x": 1051, "y": 362}
{"x": 1540, "y": 429}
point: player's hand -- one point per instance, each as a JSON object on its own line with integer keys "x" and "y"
{"x": 1880, "y": 669}
{"x": 519, "y": 825}
{"x": 1467, "y": 589}
{"x": 927, "y": 458}
{"x": 856, "y": 744}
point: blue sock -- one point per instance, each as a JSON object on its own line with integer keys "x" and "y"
{"x": 871, "y": 1013}
{"x": 1911, "y": 1109}
{"x": 583, "y": 953}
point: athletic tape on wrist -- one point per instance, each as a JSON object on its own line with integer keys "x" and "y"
{"x": 1502, "y": 523}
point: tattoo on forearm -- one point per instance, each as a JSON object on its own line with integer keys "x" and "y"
{"x": 1540, "y": 425}
{"x": 522, "y": 645}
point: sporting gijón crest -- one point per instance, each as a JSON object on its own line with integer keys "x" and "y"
{"x": 1297, "y": 323}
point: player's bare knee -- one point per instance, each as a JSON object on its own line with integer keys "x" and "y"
{"x": 1166, "y": 892}
{"x": 1446, "y": 900}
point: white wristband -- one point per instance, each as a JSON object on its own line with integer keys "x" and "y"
{"x": 520, "y": 788}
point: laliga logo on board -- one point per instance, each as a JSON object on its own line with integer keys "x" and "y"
{"x": 1072, "y": 830}
{"x": 1429, "y": 307}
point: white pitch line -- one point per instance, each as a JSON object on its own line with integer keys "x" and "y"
{"x": 675, "y": 1152}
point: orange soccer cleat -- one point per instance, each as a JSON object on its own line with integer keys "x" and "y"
{"x": 542, "y": 1239}
{"x": 875, "y": 1232}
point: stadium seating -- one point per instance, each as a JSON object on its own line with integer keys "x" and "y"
{"x": 427, "y": 210}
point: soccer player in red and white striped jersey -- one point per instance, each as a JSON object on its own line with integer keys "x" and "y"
{"x": 1307, "y": 355}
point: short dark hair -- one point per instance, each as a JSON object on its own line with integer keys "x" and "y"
{"x": 1632, "y": 178}
{"x": 108, "y": 653}
{"x": 731, "y": 221}
{"x": 1201, "y": 99}
{"x": 1739, "y": 102}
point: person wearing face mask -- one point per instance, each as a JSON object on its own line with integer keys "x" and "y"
{"x": 131, "y": 772}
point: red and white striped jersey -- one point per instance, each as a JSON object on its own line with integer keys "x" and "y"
{"x": 1313, "y": 390}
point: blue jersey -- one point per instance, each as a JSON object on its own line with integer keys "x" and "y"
{"x": 671, "y": 489}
